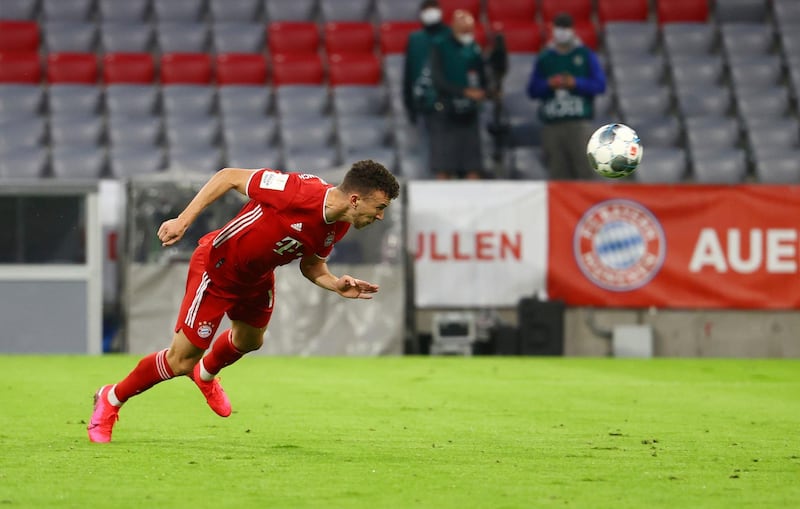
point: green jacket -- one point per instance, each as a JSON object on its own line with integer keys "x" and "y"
{"x": 454, "y": 67}
{"x": 417, "y": 51}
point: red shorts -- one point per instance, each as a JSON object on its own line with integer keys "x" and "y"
{"x": 205, "y": 303}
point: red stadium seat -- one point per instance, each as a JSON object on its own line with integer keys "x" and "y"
{"x": 622, "y": 10}
{"x": 679, "y": 11}
{"x": 297, "y": 69}
{"x": 349, "y": 37}
{"x": 511, "y": 10}
{"x": 292, "y": 37}
{"x": 72, "y": 68}
{"x": 581, "y": 10}
{"x": 354, "y": 69}
{"x": 20, "y": 67}
{"x": 394, "y": 35}
{"x": 584, "y": 29}
{"x": 128, "y": 68}
{"x": 241, "y": 69}
{"x": 450, "y": 6}
{"x": 192, "y": 68}
{"x": 19, "y": 36}
{"x": 522, "y": 36}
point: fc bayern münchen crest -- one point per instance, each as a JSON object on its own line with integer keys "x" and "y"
{"x": 619, "y": 245}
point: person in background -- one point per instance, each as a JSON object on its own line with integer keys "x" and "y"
{"x": 416, "y": 59}
{"x": 566, "y": 78}
{"x": 459, "y": 79}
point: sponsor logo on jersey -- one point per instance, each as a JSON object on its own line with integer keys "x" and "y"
{"x": 297, "y": 226}
{"x": 273, "y": 181}
{"x": 619, "y": 245}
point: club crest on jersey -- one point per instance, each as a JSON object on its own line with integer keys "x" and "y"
{"x": 619, "y": 245}
{"x": 205, "y": 329}
{"x": 329, "y": 239}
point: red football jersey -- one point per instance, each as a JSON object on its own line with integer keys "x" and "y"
{"x": 284, "y": 220}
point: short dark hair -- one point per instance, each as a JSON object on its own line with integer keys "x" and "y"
{"x": 427, "y": 4}
{"x": 367, "y": 176}
{"x": 563, "y": 20}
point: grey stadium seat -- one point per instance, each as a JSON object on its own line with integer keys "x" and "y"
{"x": 766, "y": 102}
{"x": 790, "y": 41}
{"x": 528, "y": 164}
{"x": 345, "y": 10}
{"x": 290, "y": 10}
{"x": 638, "y": 70}
{"x": 77, "y": 131}
{"x": 179, "y": 10}
{"x": 20, "y": 9}
{"x": 393, "y": 68}
{"x": 132, "y": 100}
{"x": 239, "y": 37}
{"x": 381, "y": 154}
{"x": 125, "y": 11}
{"x": 412, "y": 167}
{"x": 188, "y": 100}
{"x": 69, "y": 161}
{"x": 361, "y": 132}
{"x": 764, "y": 71}
{"x": 242, "y": 156}
{"x": 644, "y": 102}
{"x": 746, "y": 38}
{"x": 693, "y": 71}
{"x": 786, "y": 11}
{"x": 520, "y": 66}
{"x": 125, "y": 162}
{"x": 301, "y": 101}
{"x": 728, "y": 166}
{"x": 392, "y": 10}
{"x": 243, "y": 131}
{"x": 305, "y": 132}
{"x": 67, "y": 10}
{"x": 711, "y": 133}
{"x": 311, "y": 160}
{"x": 769, "y": 133}
{"x": 192, "y": 132}
{"x": 123, "y": 37}
{"x": 23, "y": 132}
{"x": 124, "y": 131}
{"x": 778, "y": 167}
{"x": 703, "y": 101}
{"x": 657, "y": 131}
{"x": 235, "y": 10}
{"x": 627, "y": 37}
{"x": 741, "y": 10}
{"x": 354, "y": 100}
{"x": 19, "y": 101}
{"x": 24, "y": 162}
{"x": 244, "y": 101}
{"x": 177, "y": 37}
{"x": 662, "y": 165}
{"x": 74, "y": 99}
{"x": 206, "y": 159}
{"x": 688, "y": 38}
{"x": 70, "y": 36}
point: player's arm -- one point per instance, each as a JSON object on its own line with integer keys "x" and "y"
{"x": 315, "y": 269}
{"x": 172, "y": 230}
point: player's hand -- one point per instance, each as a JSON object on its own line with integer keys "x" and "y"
{"x": 352, "y": 288}
{"x": 171, "y": 231}
{"x": 476, "y": 94}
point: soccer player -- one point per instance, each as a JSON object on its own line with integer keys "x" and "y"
{"x": 289, "y": 216}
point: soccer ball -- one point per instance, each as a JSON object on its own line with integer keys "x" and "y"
{"x": 614, "y": 151}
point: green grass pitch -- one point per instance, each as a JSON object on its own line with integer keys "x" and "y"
{"x": 410, "y": 432}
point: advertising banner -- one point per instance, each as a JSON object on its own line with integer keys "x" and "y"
{"x": 674, "y": 246}
{"x": 477, "y": 243}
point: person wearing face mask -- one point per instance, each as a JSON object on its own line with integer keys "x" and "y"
{"x": 459, "y": 78}
{"x": 566, "y": 78}
{"x": 416, "y": 59}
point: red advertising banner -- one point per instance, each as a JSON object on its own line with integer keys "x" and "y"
{"x": 674, "y": 246}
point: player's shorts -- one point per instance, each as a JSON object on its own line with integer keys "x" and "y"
{"x": 205, "y": 303}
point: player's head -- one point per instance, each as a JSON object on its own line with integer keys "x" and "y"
{"x": 369, "y": 188}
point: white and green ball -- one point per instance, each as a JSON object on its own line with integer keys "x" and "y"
{"x": 614, "y": 151}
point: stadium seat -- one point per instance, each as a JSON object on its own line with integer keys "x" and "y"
{"x": 20, "y": 67}
{"x": 786, "y": 11}
{"x": 313, "y": 160}
{"x": 580, "y": 10}
{"x": 630, "y": 37}
{"x": 182, "y": 37}
{"x": 24, "y": 162}
{"x": 292, "y": 37}
{"x": 22, "y": 132}
{"x": 691, "y": 71}
{"x": 762, "y": 102}
{"x": 142, "y": 133}
{"x": 20, "y": 9}
{"x": 790, "y": 42}
{"x": 133, "y": 100}
{"x": 450, "y": 6}
{"x": 241, "y": 69}
{"x": 240, "y": 11}
{"x": 193, "y": 159}
{"x": 354, "y": 69}
{"x": 359, "y": 100}
{"x": 243, "y": 156}
{"x": 511, "y": 10}
{"x": 19, "y": 36}
{"x": 521, "y": 36}
{"x": 300, "y": 133}
{"x": 691, "y": 38}
{"x": 20, "y": 100}
{"x": 72, "y": 99}
{"x": 296, "y": 69}
{"x": 67, "y": 10}
{"x": 393, "y": 68}
{"x": 126, "y": 162}
{"x": 710, "y": 100}
{"x": 520, "y": 66}
{"x": 663, "y": 165}
{"x": 185, "y": 68}
{"x": 124, "y": 37}
{"x": 746, "y": 38}
{"x": 635, "y": 71}
{"x": 778, "y": 167}
{"x": 302, "y": 101}
{"x": 239, "y": 37}
{"x": 192, "y": 132}
{"x": 79, "y": 37}
{"x": 78, "y": 162}
{"x": 244, "y": 101}
{"x": 719, "y": 167}
{"x": 393, "y": 35}
{"x": 290, "y": 10}
{"x": 622, "y": 10}
{"x": 385, "y": 155}
{"x": 762, "y": 71}
{"x": 188, "y": 100}
{"x": 349, "y": 37}
{"x": 528, "y": 164}
{"x": 644, "y": 102}
{"x": 678, "y": 11}
{"x": 345, "y": 10}
{"x": 711, "y": 133}
{"x": 727, "y": 11}
{"x": 76, "y": 131}
{"x": 363, "y": 132}
{"x": 128, "y": 68}
{"x": 249, "y": 132}
{"x": 392, "y": 10}
{"x": 123, "y": 11}
{"x": 72, "y": 68}
{"x": 769, "y": 133}
{"x": 657, "y": 131}
{"x": 187, "y": 11}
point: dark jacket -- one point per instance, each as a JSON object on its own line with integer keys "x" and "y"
{"x": 417, "y": 51}
{"x": 454, "y": 67}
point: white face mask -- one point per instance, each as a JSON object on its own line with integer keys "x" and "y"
{"x": 563, "y": 35}
{"x": 465, "y": 38}
{"x": 430, "y": 16}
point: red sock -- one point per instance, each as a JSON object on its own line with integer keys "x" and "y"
{"x": 222, "y": 353}
{"x": 151, "y": 370}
